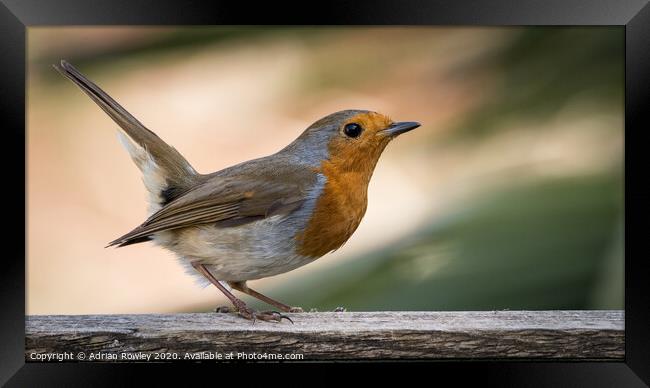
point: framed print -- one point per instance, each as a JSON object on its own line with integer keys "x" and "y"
{"x": 452, "y": 184}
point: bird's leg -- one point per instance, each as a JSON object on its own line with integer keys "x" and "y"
{"x": 241, "y": 286}
{"x": 239, "y": 304}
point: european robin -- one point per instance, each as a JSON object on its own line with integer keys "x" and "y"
{"x": 259, "y": 218}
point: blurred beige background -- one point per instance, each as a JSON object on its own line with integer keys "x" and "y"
{"x": 226, "y": 95}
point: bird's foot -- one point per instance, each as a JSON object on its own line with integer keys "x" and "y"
{"x": 269, "y": 316}
{"x": 296, "y": 310}
{"x": 340, "y": 309}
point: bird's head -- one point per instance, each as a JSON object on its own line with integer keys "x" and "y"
{"x": 351, "y": 140}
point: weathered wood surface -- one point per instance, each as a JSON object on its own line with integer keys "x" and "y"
{"x": 594, "y": 335}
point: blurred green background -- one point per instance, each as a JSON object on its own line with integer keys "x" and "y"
{"x": 510, "y": 196}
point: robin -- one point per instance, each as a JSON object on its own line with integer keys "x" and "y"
{"x": 259, "y": 218}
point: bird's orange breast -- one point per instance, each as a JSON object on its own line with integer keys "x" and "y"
{"x": 342, "y": 204}
{"x": 337, "y": 214}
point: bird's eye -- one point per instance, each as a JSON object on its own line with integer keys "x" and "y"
{"x": 352, "y": 130}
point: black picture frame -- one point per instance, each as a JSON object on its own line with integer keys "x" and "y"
{"x": 17, "y": 15}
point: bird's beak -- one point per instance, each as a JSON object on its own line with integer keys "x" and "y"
{"x": 399, "y": 128}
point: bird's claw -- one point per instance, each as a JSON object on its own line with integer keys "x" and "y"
{"x": 267, "y": 316}
{"x": 280, "y": 316}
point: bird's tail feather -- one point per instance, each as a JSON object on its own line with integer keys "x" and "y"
{"x": 164, "y": 169}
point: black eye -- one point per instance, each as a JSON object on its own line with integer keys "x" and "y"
{"x": 352, "y": 129}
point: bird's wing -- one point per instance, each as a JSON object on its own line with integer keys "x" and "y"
{"x": 227, "y": 201}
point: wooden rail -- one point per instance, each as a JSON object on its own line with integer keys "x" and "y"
{"x": 592, "y": 335}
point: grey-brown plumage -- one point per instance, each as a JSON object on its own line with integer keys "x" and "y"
{"x": 217, "y": 200}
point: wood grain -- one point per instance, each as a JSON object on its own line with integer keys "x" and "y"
{"x": 593, "y": 335}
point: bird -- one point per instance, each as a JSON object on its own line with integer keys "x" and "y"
{"x": 261, "y": 217}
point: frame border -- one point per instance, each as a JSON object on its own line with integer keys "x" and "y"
{"x": 17, "y": 15}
